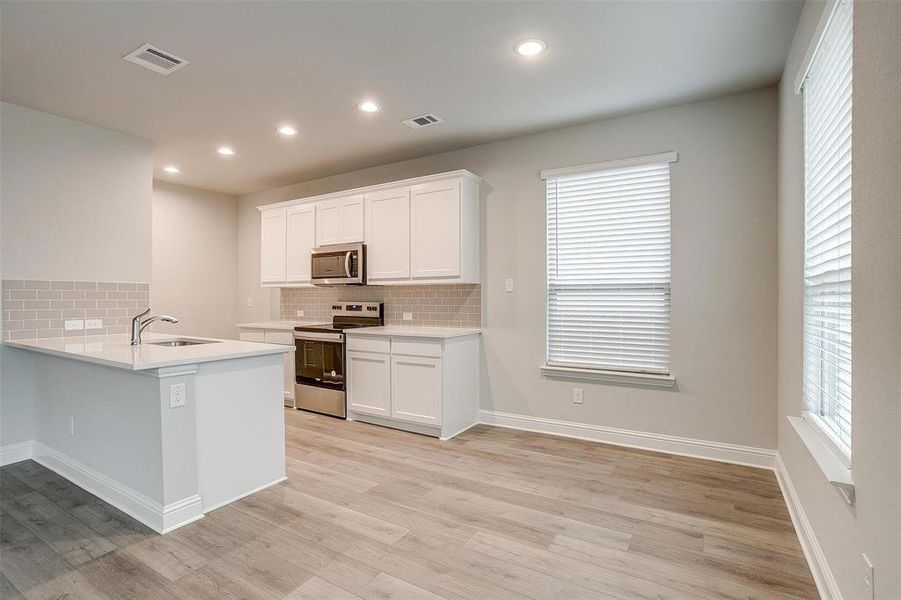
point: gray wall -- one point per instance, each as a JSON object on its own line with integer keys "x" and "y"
{"x": 195, "y": 257}
{"x": 874, "y": 525}
{"x": 76, "y": 199}
{"x": 76, "y": 205}
{"x": 724, "y": 266}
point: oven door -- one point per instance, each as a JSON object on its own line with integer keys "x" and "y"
{"x": 319, "y": 371}
{"x": 342, "y": 264}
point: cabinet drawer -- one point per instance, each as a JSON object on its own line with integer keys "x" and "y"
{"x": 250, "y": 335}
{"x": 368, "y": 344}
{"x": 412, "y": 347}
{"x": 285, "y": 338}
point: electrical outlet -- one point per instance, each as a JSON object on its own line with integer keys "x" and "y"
{"x": 93, "y": 324}
{"x": 74, "y": 325}
{"x": 408, "y": 316}
{"x": 577, "y": 395}
{"x": 176, "y": 395}
{"x": 869, "y": 582}
{"x": 249, "y": 301}
{"x": 508, "y": 284}
{"x": 71, "y": 425}
{"x": 300, "y": 313}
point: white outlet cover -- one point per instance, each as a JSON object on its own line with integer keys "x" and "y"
{"x": 74, "y": 325}
{"x": 869, "y": 583}
{"x": 577, "y": 395}
{"x": 508, "y": 284}
{"x": 300, "y": 313}
{"x": 93, "y": 324}
{"x": 408, "y": 316}
{"x": 177, "y": 395}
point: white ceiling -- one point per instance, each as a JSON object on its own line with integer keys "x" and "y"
{"x": 255, "y": 65}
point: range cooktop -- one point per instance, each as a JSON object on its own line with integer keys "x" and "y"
{"x": 333, "y": 327}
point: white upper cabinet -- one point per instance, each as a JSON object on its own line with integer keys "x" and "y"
{"x": 436, "y": 243}
{"x": 273, "y": 238}
{"x": 301, "y": 233}
{"x": 417, "y": 231}
{"x": 340, "y": 221}
{"x": 388, "y": 234}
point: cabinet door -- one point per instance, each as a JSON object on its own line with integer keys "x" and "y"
{"x": 436, "y": 230}
{"x": 329, "y": 227}
{"x": 416, "y": 389}
{"x": 388, "y": 235}
{"x": 301, "y": 226}
{"x": 352, "y": 219}
{"x": 369, "y": 383}
{"x": 273, "y": 250}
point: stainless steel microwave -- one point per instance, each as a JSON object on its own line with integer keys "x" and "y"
{"x": 339, "y": 264}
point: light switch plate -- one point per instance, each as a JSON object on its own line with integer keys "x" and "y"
{"x": 508, "y": 284}
{"x": 408, "y": 316}
{"x": 93, "y": 324}
{"x": 74, "y": 325}
{"x": 177, "y": 395}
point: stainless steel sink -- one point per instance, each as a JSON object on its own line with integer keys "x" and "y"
{"x": 178, "y": 342}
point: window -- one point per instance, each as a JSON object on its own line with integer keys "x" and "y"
{"x": 608, "y": 266}
{"x": 826, "y": 93}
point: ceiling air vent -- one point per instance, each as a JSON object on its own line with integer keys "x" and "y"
{"x": 423, "y": 121}
{"x": 158, "y": 61}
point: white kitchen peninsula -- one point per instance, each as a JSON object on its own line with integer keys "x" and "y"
{"x": 163, "y": 433}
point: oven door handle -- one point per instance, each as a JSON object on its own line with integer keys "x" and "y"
{"x": 347, "y": 263}
{"x": 318, "y": 337}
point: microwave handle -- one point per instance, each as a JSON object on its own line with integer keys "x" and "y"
{"x": 347, "y": 263}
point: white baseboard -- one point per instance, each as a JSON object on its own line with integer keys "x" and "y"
{"x": 161, "y": 519}
{"x": 668, "y": 444}
{"x": 13, "y": 453}
{"x": 816, "y": 560}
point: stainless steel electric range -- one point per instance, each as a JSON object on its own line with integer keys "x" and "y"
{"x": 320, "y": 357}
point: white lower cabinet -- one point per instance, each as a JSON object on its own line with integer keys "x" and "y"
{"x": 372, "y": 393}
{"x": 416, "y": 393}
{"x": 425, "y": 385}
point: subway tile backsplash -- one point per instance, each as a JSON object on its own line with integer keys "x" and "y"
{"x": 453, "y": 305}
{"x": 38, "y": 309}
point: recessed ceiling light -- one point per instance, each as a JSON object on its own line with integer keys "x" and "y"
{"x": 171, "y": 169}
{"x": 225, "y": 151}
{"x": 368, "y": 106}
{"x": 286, "y": 130}
{"x": 531, "y": 47}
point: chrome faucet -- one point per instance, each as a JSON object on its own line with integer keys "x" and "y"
{"x": 138, "y": 325}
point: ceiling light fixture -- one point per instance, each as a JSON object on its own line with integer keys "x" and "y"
{"x": 530, "y": 47}
{"x": 287, "y": 131}
{"x": 368, "y": 106}
{"x": 171, "y": 169}
{"x": 225, "y": 151}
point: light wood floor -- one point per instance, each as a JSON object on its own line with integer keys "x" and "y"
{"x": 370, "y": 513}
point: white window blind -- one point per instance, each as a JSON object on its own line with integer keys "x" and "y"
{"x": 827, "y": 240}
{"x": 608, "y": 266}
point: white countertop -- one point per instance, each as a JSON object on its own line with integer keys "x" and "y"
{"x": 277, "y": 325}
{"x": 117, "y": 351}
{"x": 424, "y": 332}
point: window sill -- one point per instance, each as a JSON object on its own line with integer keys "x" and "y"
{"x": 612, "y": 377}
{"x": 832, "y": 466}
